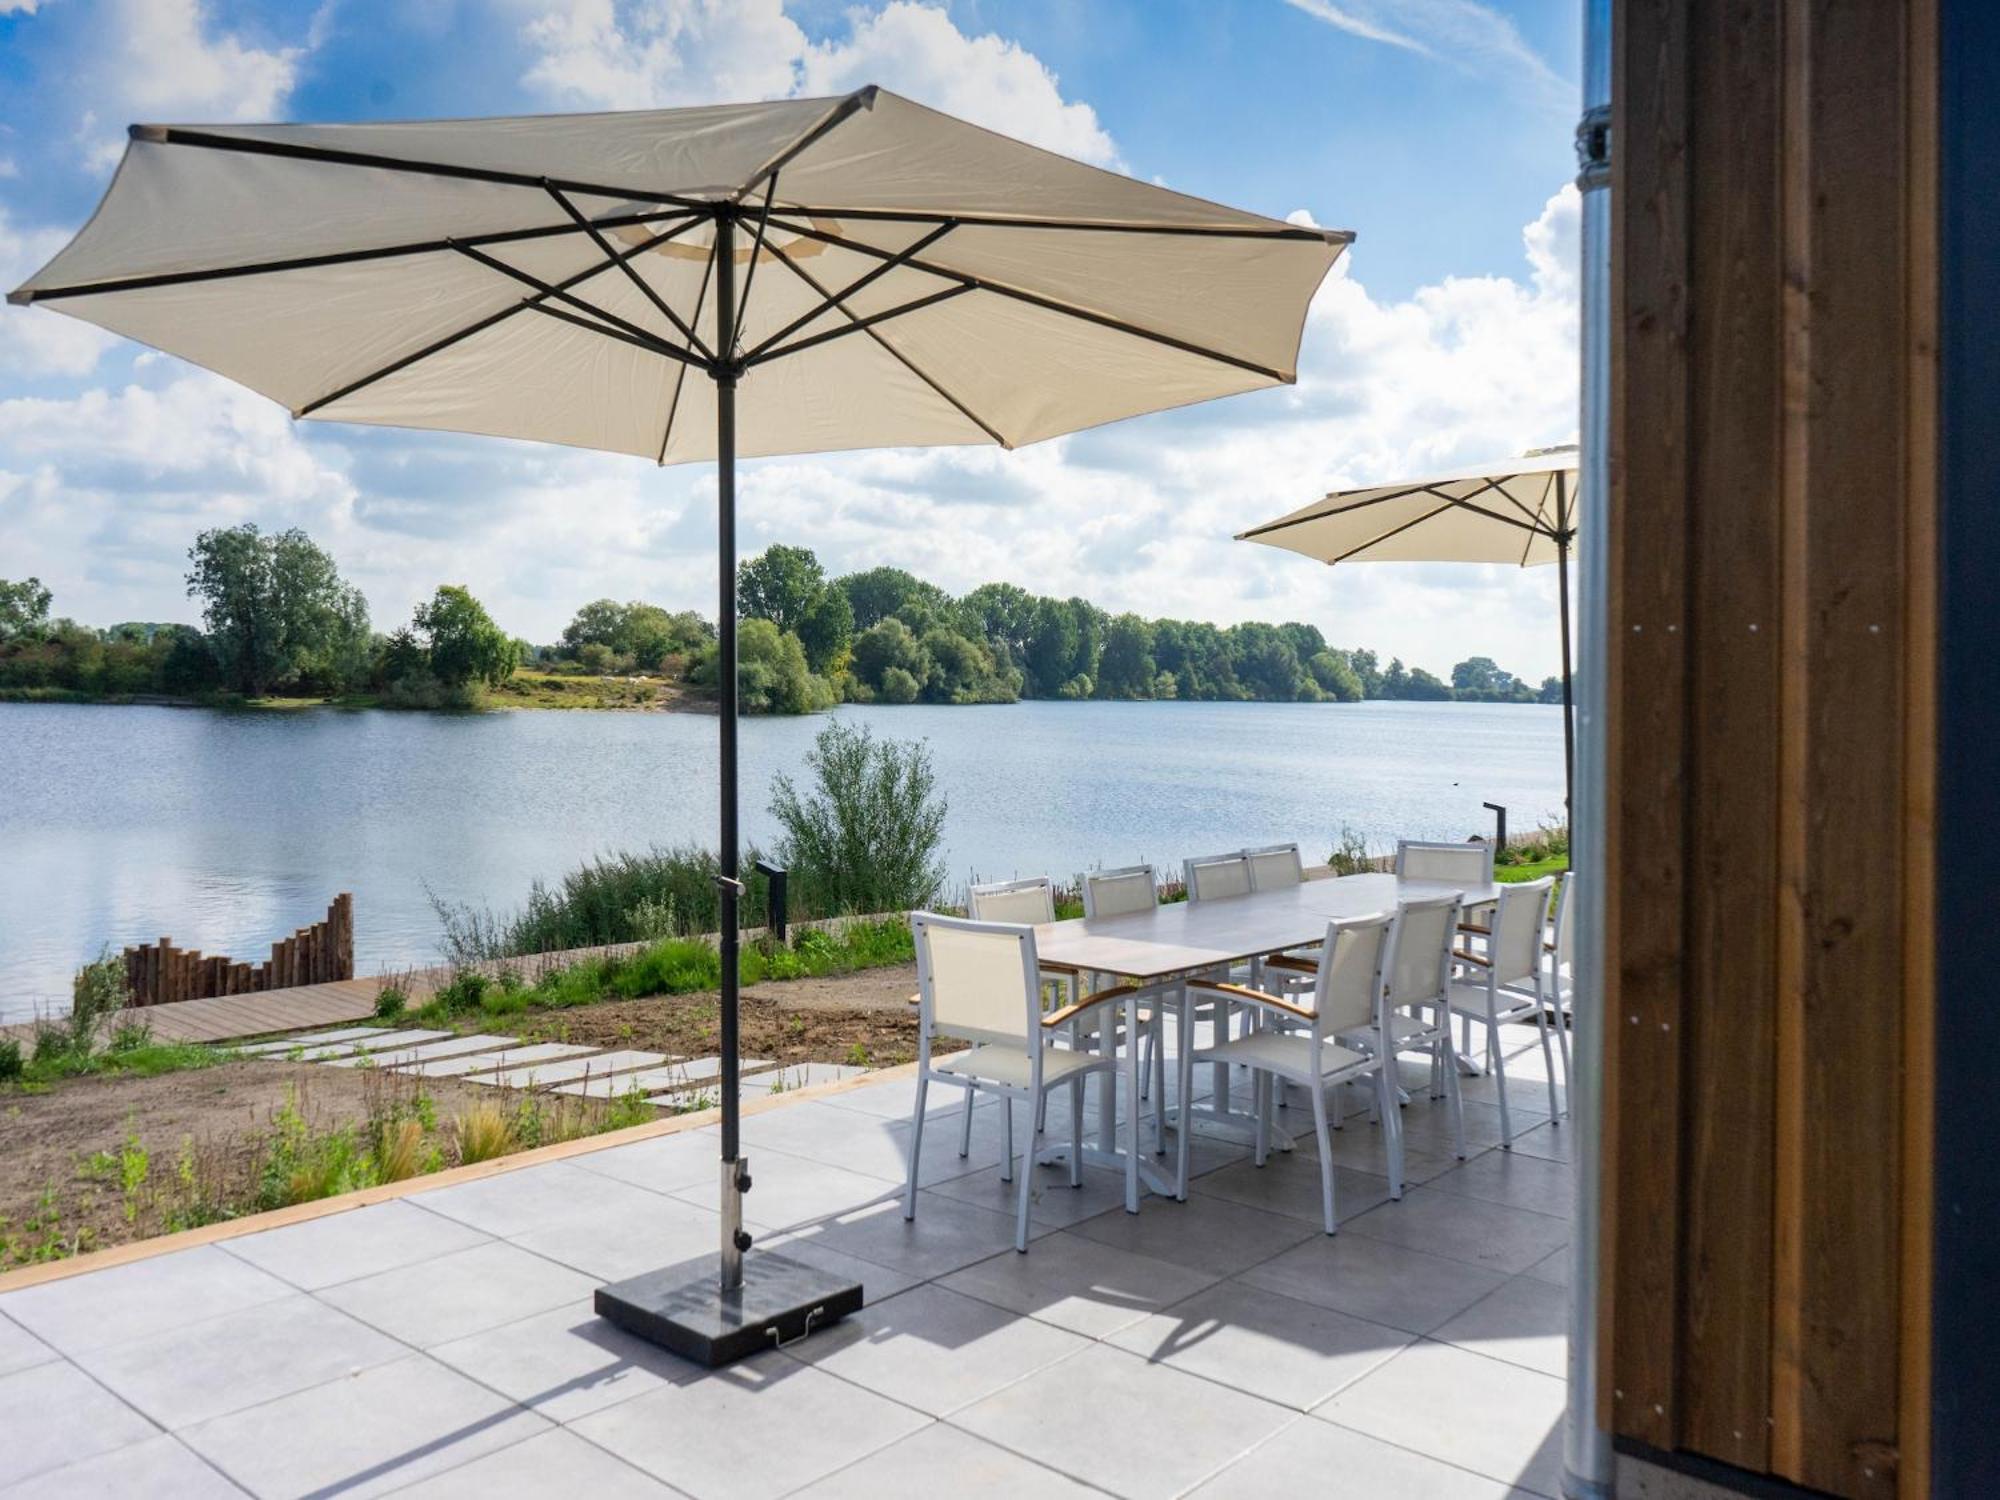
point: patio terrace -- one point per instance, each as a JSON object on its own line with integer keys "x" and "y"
{"x": 443, "y": 1343}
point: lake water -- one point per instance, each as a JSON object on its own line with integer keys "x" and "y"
{"x": 228, "y": 830}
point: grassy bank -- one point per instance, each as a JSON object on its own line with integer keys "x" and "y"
{"x": 525, "y": 689}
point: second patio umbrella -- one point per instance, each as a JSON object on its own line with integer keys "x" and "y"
{"x": 866, "y": 271}
{"x": 1514, "y": 511}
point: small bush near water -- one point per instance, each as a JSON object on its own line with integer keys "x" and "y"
{"x": 862, "y": 838}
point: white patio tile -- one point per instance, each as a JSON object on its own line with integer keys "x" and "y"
{"x": 403, "y": 1057}
{"x": 1551, "y": 1142}
{"x": 941, "y": 1460}
{"x": 758, "y": 1429}
{"x": 158, "y": 1468}
{"x": 1554, "y": 1270}
{"x": 19, "y": 1348}
{"x": 1525, "y": 1322}
{"x": 1209, "y": 1234}
{"x": 1427, "y": 1126}
{"x": 876, "y": 1282}
{"x": 690, "y": 1074}
{"x": 486, "y": 1062}
{"x": 1520, "y": 1181}
{"x": 549, "y": 1464}
{"x": 1051, "y": 1200}
{"x": 281, "y": 1045}
{"x": 615, "y": 1068}
{"x": 609, "y": 1086}
{"x": 622, "y": 1235}
{"x": 1375, "y": 1280}
{"x": 360, "y": 1242}
{"x": 1119, "y": 1422}
{"x": 456, "y": 1295}
{"x": 565, "y": 1363}
{"x": 1491, "y": 1236}
{"x": 935, "y": 1350}
{"x": 529, "y": 1198}
{"x": 896, "y": 1099}
{"x": 1284, "y": 1350}
{"x": 1290, "y": 1185}
{"x": 844, "y": 1138}
{"x": 147, "y": 1297}
{"x": 364, "y": 1435}
{"x": 788, "y": 1191}
{"x": 54, "y": 1415}
{"x": 795, "y": 1076}
{"x": 1306, "y": 1456}
{"x": 944, "y": 1236}
{"x": 222, "y": 1365}
{"x": 1500, "y": 1420}
{"x": 664, "y": 1164}
{"x": 1078, "y": 1284}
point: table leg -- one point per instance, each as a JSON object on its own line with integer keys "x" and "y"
{"x": 1132, "y": 1147}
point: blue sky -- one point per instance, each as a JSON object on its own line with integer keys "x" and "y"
{"x": 1437, "y": 129}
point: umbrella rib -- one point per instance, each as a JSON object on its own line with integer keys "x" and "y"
{"x": 680, "y": 375}
{"x": 1404, "y": 493}
{"x": 339, "y": 258}
{"x": 846, "y": 109}
{"x": 750, "y": 277}
{"x": 168, "y": 135}
{"x": 862, "y": 325}
{"x": 631, "y": 332}
{"x": 1049, "y": 304}
{"x": 1391, "y": 532}
{"x": 831, "y": 300}
{"x": 1108, "y": 226}
{"x": 644, "y": 286}
{"x": 898, "y": 355}
{"x": 480, "y": 325}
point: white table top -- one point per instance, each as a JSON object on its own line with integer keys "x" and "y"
{"x": 1193, "y": 935}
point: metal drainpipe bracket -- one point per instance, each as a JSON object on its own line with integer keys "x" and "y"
{"x": 1593, "y": 148}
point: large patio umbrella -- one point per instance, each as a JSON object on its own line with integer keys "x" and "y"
{"x": 867, "y": 272}
{"x": 1514, "y": 511}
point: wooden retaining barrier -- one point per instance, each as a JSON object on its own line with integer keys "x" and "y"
{"x": 159, "y": 973}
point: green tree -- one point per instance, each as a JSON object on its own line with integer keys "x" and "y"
{"x": 1336, "y": 676}
{"x": 1055, "y": 641}
{"x": 1551, "y": 690}
{"x": 771, "y": 672}
{"x": 462, "y": 644}
{"x": 898, "y": 686}
{"x": 277, "y": 610}
{"x": 1125, "y": 665}
{"x": 781, "y": 584}
{"x": 1369, "y": 669}
{"x": 881, "y": 592}
{"x": 961, "y": 670}
{"x": 24, "y": 609}
{"x": 1266, "y": 664}
{"x": 888, "y": 644}
{"x": 867, "y": 836}
{"x": 827, "y": 631}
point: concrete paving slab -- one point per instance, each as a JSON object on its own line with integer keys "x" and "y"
{"x": 160, "y": 1468}
{"x": 55, "y": 1415}
{"x": 941, "y": 1460}
{"x": 612, "y": 1067}
{"x": 308, "y": 1039}
{"x": 19, "y": 1348}
{"x": 378, "y": 1041}
{"x": 1078, "y": 1284}
{"x": 141, "y": 1299}
{"x": 486, "y": 1062}
{"x": 605, "y": 1087}
{"x": 455, "y": 1296}
{"x": 553, "y": 1463}
{"x": 348, "y": 1246}
{"x": 451, "y": 1046}
{"x": 378, "y": 1431}
{"x": 795, "y": 1076}
{"x": 565, "y": 1363}
{"x": 1303, "y": 1458}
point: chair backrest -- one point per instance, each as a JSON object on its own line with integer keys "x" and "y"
{"x": 1520, "y": 919}
{"x": 977, "y": 980}
{"x": 1275, "y": 866}
{"x": 1458, "y": 864}
{"x": 1350, "y": 972}
{"x": 1565, "y": 928}
{"x": 1215, "y": 876}
{"x": 1118, "y": 893}
{"x": 1029, "y": 901}
{"x": 1420, "y": 949}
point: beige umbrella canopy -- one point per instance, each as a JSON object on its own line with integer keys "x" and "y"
{"x": 689, "y": 284}
{"x": 1515, "y": 511}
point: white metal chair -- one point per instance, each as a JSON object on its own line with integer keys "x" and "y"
{"x": 1465, "y": 865}
{"x": 1508, "y": 984}
{"x": 1349, "y": 994}
{"x": 1560, "y": 991}
{"x": 1118, "y": 893}
{"x": 1275, "y": 866}
{"x": 1031, "y": 900}
{"x": 1218, "y": 877}
{"x": 979, "y": 981}
{"x": 1416, "y": 1011}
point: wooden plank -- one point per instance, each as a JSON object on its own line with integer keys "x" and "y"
{"x": 1733, "y": 701}
{"x": 1919, "y": 759}
{"x": 1836, "y": 1371}
{"x": 1646, "y": 682}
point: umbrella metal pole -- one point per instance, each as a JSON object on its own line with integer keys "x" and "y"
{"x": 1569, "y": 707}
{"x": 734, "y": 1175}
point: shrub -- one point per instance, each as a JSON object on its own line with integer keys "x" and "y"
{"x": 1350, "y": 854}
{"x": 390, "y": 1003}
{"x": 99, "y": 993}
{"x": 866, "y": 837}
{"x": 10, "y": 1059}
{"x": 484, "y": 1132}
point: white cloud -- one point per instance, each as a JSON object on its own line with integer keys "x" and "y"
{"x": 17, "y": 7}
{"x": 166, "y": 60}
{"x": 35, "y": 344}
{"x": 1464, "y": 34}
{"x": 631, "y": 54}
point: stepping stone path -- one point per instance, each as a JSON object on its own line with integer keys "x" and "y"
{"x": 504, "y": 1062}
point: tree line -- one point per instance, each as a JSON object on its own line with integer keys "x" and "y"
{"x": 277, "y": 618}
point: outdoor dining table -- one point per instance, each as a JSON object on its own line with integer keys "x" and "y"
{"x": 1157, "y": 950}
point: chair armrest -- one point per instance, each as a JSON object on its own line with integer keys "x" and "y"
{"x": 1477, "y": 929}
{"x": 1254, "y": 997}
{"x": 1287, "y": 961}
{"x": 1070, "y": 1012}
{"x": 1471, "y": 958}
{"x": 1049, "y": 968}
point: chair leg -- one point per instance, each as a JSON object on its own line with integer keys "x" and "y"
{"x": 1548, "y": 1062}
{"x": 1560, "y": 1024}
{"x": 1260, "y": 1101}
{"x": 1392, "y": 1130}
{"x": 1499, "y": 1066}
{"x": 1007, "y": 1143}
{"x": 965, "y": 1130}
{"x": 1325, "y": 1152}
{"x": 1159, "y": 1080}
{"x": 916, "y": 1148}
{"x": 1450, "y": 1067}
{"x": 1027, "y": 1183}
{"x": 1075, "y": 1131}
{"x": 1186, "y": 1127}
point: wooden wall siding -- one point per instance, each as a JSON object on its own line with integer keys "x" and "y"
{"x": 1765, "y": 810}
{"x": 159, "y": 973}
